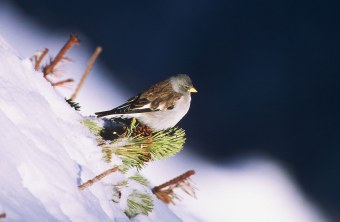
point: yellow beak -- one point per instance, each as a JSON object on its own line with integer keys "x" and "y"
{"x": 192, "y": 90}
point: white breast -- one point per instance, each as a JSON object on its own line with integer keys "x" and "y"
{"x": 167, "y": 118}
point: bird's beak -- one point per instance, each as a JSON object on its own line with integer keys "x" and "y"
{"x": 192, "y": 90}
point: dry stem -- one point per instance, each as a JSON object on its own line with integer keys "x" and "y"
{"x": 42, "y": 56}
{"x": 165, "y": 192}
{"x": 87, "y": 70}
{"x": 60, "y": 83}
{"x": 176, "y": 180}
{"x": 2, "y": 215}
{"x": 97, "y": 178}
{"x": 69, "y": 44}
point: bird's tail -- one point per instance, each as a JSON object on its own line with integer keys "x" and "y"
{"x": 104, "y": 113}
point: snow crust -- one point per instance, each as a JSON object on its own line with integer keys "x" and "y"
{"x": 45, "y": 153}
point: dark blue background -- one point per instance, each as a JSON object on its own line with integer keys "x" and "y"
{"x": 267, "y": 73}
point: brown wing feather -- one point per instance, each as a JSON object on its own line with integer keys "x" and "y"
{"x": 161, "y": 96}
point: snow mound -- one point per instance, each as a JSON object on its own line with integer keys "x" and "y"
{"x": 46, "y": 153}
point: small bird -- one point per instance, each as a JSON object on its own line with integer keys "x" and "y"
{"x": 159, "y": 107}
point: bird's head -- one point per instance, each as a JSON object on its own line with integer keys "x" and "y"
{"x": 182, "y": 84}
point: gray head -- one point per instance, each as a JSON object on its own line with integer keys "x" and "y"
{"x": 182, "y": 84}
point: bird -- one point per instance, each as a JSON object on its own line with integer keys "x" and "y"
{"x": 161, "y": 106}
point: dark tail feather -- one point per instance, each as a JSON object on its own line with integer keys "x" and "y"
{"x": 104, "y": 113}
{"x": 123, "y": 109}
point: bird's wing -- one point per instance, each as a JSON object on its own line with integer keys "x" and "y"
{"x": 158, "y": 97}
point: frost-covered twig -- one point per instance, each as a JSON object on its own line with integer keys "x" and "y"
{"x": 87, "y": 70}
{"x": 69, "y": 44}
{"x": 165, "y": 192}
{"x": 97, "y": 178}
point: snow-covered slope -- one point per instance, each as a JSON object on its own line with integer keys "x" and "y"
{"x": 45, "y": 153}
{"x": 251, "y": 189}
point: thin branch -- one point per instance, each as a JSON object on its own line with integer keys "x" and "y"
{"x": 60, "y": 83}
{"x": 97, "y": 178}
{"x": 87, "y": 70}
{"x": 165, "y": 192}
{"x": 2, "y": 215}
{"x": 42, "y": 56}
{"x": 69, "y": 44}
{"x": 176, "y": 180}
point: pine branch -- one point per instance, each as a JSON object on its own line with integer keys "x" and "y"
{"x": 87, "y": 70}
{"x": 162, "y": 144}
{"x": 140, "y": 149}
{"x": 97, "y": 178}
{"x": 73, "y": 40}
{"x": 165, "y": 192}
{"x": 140, "y": 179}
{"x": 132, "y": 155}
{"x": 138, "y": 203}
{"x": 166, "y": 143}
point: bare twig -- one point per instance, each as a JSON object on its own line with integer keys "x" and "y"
{"x": 175, "y": 180}
{"x": 97, "y": 178}
{"x": 2, "y": 215}
{"x": 165, "y": 192}
{"x": 60, "y": 83}
{"x": 39, "y": 60}
{"x": 69, "y": 44}
{"x": 87, "y": 70}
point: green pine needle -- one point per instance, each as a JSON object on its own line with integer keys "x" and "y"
{"x": 137, "y": 151}
{"x": 133, "y": 125}
{"x": 124, "y": 169}
{"x": 140, "y": 149}
{"x": 162, "y": 144}
{"x": 140, "y": 179}
{"x": 138, "y": 203}
{"x": 94, "y": 128}
{"x": 131, "y": 155}
{"x": 167, "y": 143}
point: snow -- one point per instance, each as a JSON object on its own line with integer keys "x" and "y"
{"x": 46, "y": 152}
{"x": 248, "y": 190}
{"x": 27, "y": 37}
